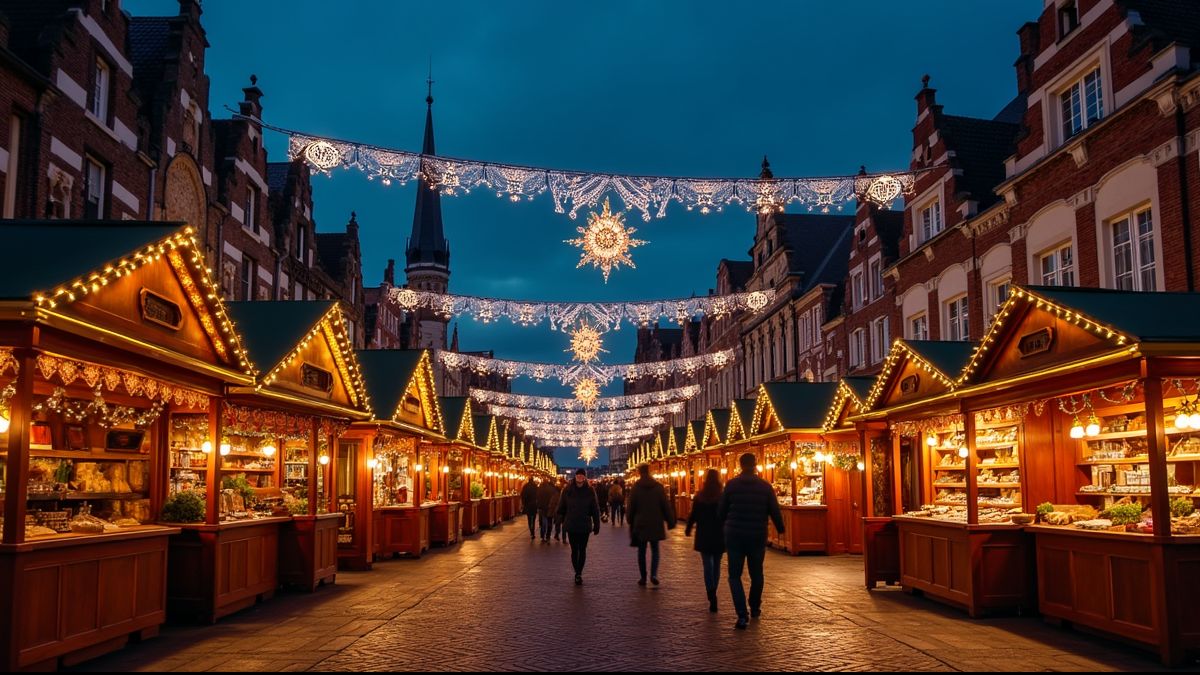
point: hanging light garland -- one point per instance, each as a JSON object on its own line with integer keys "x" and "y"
{"x": 606, "y": 241}
{"x": 586, "y": 344}
{"x": 584, "y": 440}
{"x": 641, "y": 424}
{"x": 606, "y": 403}
{"x": 572, "y": 191}
{"x": 604, "y": 316}
{"x": 584, "y": 416}
{"x": 573, "y": 374}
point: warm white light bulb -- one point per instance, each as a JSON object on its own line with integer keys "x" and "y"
{"x": 226, "y": 448}
{"x": 1093, "y": 428}
{"x": 372, "y": 463}
{"x": 417, "y": 467}
{"x": 931, "y": 441}
{"x": 268, "y": 450}
{"x": 323, "y": 460}
{"x": 1077, "y": 430}
{"x": 4, "y": 423}
{"x": 1183, "y": 421}
{"x": 963, "y": 452}
{"x": 819, "y": 457}
{"x": 1194, "y": 419}
{"x": 724, "y": 471}
{"x": 861, "y": 466}
{"x": 445, "y": 469}
{"x": 793, "y": 465}
{"x": 206, "y": 447}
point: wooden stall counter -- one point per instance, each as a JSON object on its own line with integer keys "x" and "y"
{"x": 881, "y": 551}
{"x": 308, "y": 551}
{"x": 1137, "y": 588}
{"x": 683, "y": 507}
{"x": 804, "y": 531}
{"x": 402, "y": 530}
{"x": 445, "y": 524}
{"x": 980, "y": 568}
{"x": 470, "y": 510}
{"x": 217, "y": 570}
{"x": 487, "y": 513}
{"x": 78, "y": 596}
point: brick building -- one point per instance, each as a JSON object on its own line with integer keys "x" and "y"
{"x": 1089, "y": 177}
{"x": 105, "y": 115}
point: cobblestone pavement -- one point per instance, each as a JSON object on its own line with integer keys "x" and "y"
{"x": 500, "y": 602}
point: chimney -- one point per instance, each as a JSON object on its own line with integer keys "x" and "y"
{"x": 1030, "y": 38}
{"x": 250, "y": 105}
{"x": 352, "y": 226}
{"x": 926, "y": 98}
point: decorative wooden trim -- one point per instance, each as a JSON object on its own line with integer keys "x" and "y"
{"x": 156, "y": 309}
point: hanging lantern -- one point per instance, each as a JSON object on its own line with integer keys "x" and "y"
{"x": 1077, "y": 430}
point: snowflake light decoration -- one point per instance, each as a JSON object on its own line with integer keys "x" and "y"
{"x": 606, "y": 241}
{"x": 586, "y": 344}
{"x": 587, "y": 392}
{"x": 588, "y": 454}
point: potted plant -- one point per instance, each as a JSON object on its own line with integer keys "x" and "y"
{"x": 185, "y": 506}
{"x": 476, "y": 491}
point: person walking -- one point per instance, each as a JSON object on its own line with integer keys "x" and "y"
{"x": 601, "y": 489}
{"x": 555, "y": 520}
{"x": 529, "y": 504}
{"x": 545, "y": 494}
{"x": 710, "y": 539}
{"x": 746, "y": 504}
{"x": 581, "y": 518}
{"x": 650, "y": 516}
{"x": 616, "y": 504}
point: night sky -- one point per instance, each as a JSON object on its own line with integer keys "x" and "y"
{"x": 683, "y": 88}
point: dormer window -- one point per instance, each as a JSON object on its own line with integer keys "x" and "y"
{"x": 931, "y": 220}
{"x": 1068, "y": 19}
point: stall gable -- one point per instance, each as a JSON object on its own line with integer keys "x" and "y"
{"x": 460, "y": 424}
{"x": 715, "y": 422}
{"x": 791, "y": 406}
{"x": 658, "y": 446}
{"x": 849, "y": 400}
{"x": 145, "y": 282}
{"x": 317, "y": 369}
{"x": 484, "y": 427}
{"x": 1035, "y": 330}
{"x": 741, "y": 415}
{"x": 401, "y": 387}
{"x": 695, "y": 436}
{"x": 420, "y": 406}
{"x": 918, "y": 369}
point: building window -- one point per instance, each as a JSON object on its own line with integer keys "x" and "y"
{"x": 879, "y": 339}
{"x": 10, "y": 171}
{"x": 876, "y": 279}
{"x": 1058, "y": 267}
{"x": 918, "y": 328}
{"x": 1082, "y": 104}
{"x": 956, "y": 319}
{"x": 249, "y": 271}
{"x": 300, "y": 232}
{"x": 1133, "y": 252}
{"x": 931, "y": 220}
{"x": 998, "y": 294}
{"x": 1068, "y": 19}
{"x": 805, "y": 335}
{"x": 857, "y": 343}
{"x": 100, "y": 87}
{"x": 93, "y": 190}
{"x": 857, "y": 291}
{"x": 252, "y": 209}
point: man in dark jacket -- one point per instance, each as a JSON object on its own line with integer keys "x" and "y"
{"x": 650, "y": 514}
{"x": 745, "y": 506}
{"x": 529, "y": 504}
{"x": 545, "y": 495}
{"x": 581, "y": 517}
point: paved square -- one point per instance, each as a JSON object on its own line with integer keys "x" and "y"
{"x": 499, "y": 602}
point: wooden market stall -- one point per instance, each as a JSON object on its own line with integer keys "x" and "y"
{"x": 813, "y": 483}
{"x": 106, "y": 329}
{"x": 685, "y": 485}
{"x": 956, "y": 541}
{"x": 468, "y": 464}
{"x": 716, "y": 426}
{"x": 274, "y": 520}
{"x": 497, "y": 468}
{"x": 392, "y": 500}
{"x": 842, "y": 440}
{"x": 1099, "y": 391}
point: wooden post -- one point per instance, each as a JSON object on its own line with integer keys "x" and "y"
{"x": 793, "y": 466}
{"x": 868, "y": 471}
{"x": 972, "y": 478}
{"x": 212, "y": 483}
{"x": 313, "y": 466}
{"x": 20, "y": 416}
{"x": 1156, "y": 441}
{"x": 897, "y": 486}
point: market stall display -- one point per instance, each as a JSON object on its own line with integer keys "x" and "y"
{"x": 103, "y": 341}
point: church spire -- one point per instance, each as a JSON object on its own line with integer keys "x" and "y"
{"x": 427, "y": 248}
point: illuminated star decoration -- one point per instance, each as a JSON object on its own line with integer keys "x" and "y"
{"x": 586, "y": 344}
{"x": 588, "y": 392}
{"x": 588, "y": 454}
{"x": 605, "y": 241}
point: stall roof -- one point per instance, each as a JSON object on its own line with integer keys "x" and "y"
{"x": 680, "y": 435}
{"x": 800, "y": 405}
{"x": 51, "y": 254}
{"x": 720, "y": 424}
{"x": 1143, "y": 317}
{"x": 456, "y": 414}
{"x": 483, "y": 431}
{"x": 859, "y": 386}
{"x": 388, "y": 373}
{"x": 948, "y": 356}
{"x": 743, "y": 410}
{"x": 696, "y": 430}
{"x": 272, "y": 329}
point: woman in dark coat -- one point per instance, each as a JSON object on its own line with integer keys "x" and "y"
{"x": 710, "y": 535}
{"x": 650, "y": 514}
{"x": 580, "y": 511}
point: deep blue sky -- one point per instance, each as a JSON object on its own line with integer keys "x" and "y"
{"x": 677, "y": 88}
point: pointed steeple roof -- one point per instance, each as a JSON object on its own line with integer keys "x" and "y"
{"x": 427, "y": 246}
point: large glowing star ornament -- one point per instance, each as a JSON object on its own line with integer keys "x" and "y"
{"x": 587, "y": 392}
{"x": 586, "y": 344}
{"x": 588, "y": 454}
{"x": 606, "y": 241}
